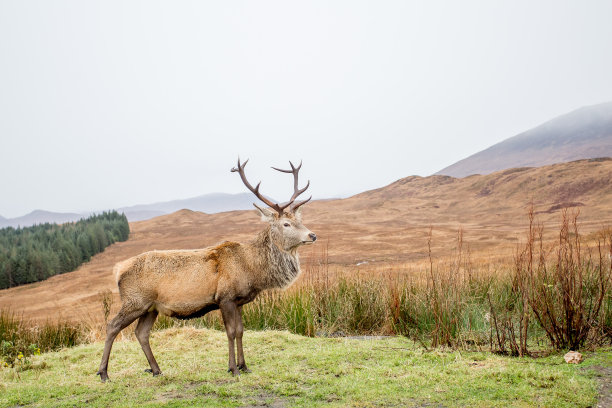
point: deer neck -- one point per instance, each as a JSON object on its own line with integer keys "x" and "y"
{"x": 276, "y": 268}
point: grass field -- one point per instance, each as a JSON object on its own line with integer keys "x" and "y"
{"x": 291, "y": 370}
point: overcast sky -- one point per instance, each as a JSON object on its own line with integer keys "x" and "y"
{"x": 113, "y": 103}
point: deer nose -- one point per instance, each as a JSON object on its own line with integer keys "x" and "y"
{"x": 313, "y": 236}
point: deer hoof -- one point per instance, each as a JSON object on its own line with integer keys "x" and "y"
{"x": 235, "y": 372}
{"x": 155, "y": 373}
{"x": 103, "y": 376}
{"x": 244, "y": 368}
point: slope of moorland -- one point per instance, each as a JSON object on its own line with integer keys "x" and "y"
{"x": 376, "y": 229}
{"x": 582, "y": 134}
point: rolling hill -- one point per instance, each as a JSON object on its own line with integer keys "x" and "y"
{"x": 382, "y": 229}
{"x": 585, "y": 133}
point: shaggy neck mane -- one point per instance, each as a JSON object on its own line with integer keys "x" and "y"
{"x": 277, "y": 268}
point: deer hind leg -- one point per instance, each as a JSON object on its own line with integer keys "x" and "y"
{"x": 126, "y": 315}
{"x": 229, "y": 312}
{"x": 239, "y": 331}
{"x": 143, "y": 331}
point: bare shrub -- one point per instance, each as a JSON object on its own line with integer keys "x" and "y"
{"x": 567, "y": 297}
{"x": 564, "y": 288}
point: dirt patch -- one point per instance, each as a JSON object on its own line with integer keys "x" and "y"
{"x": 189, "y": 391}
{"x": 604, "y": 377}
{"x": 166, "y": 397}
{"x": 267, "y": 400}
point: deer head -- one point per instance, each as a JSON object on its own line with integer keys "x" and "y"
{"x": 286, "y": 228}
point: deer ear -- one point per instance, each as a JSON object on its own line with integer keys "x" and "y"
{"x": 298, "y": 214}
{"x": 266, "y": 215}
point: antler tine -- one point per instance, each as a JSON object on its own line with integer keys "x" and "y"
{"x": 255, "y": 190}
{"x": 299, "y": 203}
{"x": 296, "y": 191}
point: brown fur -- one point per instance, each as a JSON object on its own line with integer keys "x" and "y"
{"x": 190, "y": 283}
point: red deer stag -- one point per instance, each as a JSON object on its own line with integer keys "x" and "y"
{"x": 190, "y": 283}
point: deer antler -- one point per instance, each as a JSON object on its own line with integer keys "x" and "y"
{"x": 277, "y": 207}
{"x": 255, "y": 190}
{"x": 296, "y": 191}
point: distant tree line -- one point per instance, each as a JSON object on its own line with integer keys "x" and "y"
{"x": 36, "y": 253}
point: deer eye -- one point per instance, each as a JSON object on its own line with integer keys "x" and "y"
{"x": 287, "y": 224}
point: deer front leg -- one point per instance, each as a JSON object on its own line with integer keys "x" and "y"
{"x": 126, "y": 315}
{"x": 239, "y": 330}
{"x": 229, "y": 312}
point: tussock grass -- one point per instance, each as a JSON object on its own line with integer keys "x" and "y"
{"x": 19, "y": 337}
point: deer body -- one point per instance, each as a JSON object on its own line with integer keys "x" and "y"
{"x": 190, "y": 283}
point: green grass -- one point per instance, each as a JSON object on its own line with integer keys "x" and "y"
{"x": 292, "y": 370}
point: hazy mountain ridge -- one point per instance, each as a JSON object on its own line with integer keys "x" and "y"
{"x": 207, "y": 203}
{"x": 40, "y": 217}
{"x": 585, "y": 133}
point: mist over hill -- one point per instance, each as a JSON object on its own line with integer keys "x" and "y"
{"x": 585, "y": 133}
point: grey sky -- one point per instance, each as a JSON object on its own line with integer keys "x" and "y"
{"x": 113, "y": 103}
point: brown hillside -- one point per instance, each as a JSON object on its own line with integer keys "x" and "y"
{"x": 387, "y": 226}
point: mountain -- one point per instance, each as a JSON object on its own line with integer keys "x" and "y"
{"x": 585, "y": 133}
{"x": 40, "y": 217}
{"x": 383, "y": 231}
{"x": 207, "y": 203}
